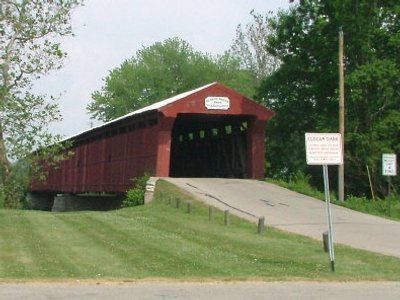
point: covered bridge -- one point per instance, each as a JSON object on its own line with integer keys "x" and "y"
{"x": 212, "y": 131}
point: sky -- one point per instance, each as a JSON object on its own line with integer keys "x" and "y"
{"x": 109, "y": 31}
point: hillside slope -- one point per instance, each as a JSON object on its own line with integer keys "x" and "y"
{"x": 160, "y": 241}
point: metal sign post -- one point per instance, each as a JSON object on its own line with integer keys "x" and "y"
{"x": 389, "y": 169}
{"x": 329, "y": 216}
{"x": 325, "y": 149}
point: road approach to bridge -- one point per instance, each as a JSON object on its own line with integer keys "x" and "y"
{"x": 294, "y": 212}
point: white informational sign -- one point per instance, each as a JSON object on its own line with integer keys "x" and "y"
{"x": 324, "y": 149}
{"x": 389, "y": 165}
{"x": 222, "y": 103}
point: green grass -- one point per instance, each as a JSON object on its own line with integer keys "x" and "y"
{"x": 300, "y": 186}
{"x": 160, "y": 241}
{"x": 387, "y": 208}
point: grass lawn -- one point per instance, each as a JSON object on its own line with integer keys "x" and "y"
{"x": 160, "y": 241}
{"x": 387, "y": 208}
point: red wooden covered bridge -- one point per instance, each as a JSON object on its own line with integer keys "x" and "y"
{"x": 211, "y": 131}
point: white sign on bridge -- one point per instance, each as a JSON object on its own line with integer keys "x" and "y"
{"x": 222, "y": 103}
{"x": 324, "y": 149}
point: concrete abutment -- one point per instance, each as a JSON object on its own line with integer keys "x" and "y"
{"x": 71, "y": 202}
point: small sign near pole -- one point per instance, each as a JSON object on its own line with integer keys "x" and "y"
{"x": 389, "y": 169}
{"x": 389, "y": 164}
{"x": 325, "y": 149}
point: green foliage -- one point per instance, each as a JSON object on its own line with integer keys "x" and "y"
{"x": 13, "y": 189}
{"x": 29, "y": 49}
{"x": 160, "y": 71}
{"x": 250, "y": 43}
{"x": 135, "y": 195}
{"x": 386, "y": 207}
{"x": 300, "y": 182}
{"x": 304, "y": 89}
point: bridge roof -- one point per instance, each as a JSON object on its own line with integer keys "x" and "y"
{"x": 166, "y": 106}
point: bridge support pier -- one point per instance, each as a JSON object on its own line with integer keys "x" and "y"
{"x": 71, "y": 202}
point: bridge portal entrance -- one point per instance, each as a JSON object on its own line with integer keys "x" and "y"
{"x": 205, "y": 145}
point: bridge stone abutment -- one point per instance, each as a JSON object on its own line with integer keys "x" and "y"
{"x": 71, "y": 202}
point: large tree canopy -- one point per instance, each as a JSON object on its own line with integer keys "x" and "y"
{"x": 162, "y": 70}
{"x": 28, "y": 49}
{"x": 303, "y": 91}
{"x": 250, "y": 45}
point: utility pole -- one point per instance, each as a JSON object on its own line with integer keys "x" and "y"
{"x": 341, "y": 115}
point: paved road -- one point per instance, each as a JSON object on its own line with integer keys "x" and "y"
{"x": 231, "y": 291}
{"x": 295, "y": 212}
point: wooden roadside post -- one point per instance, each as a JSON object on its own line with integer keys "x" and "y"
{"x": 325, "y": 241}
{"x": 227, "y": 220}
{"x": 341, "y": 115}
{"x": 189, "y": 207}
{"x": 370, "y": 184}
{"x": 210, "y": 213}
{"x": 178, "y": 202}
{"x": 261, "y": 225}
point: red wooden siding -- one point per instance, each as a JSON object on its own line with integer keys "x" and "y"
{"x": 106, "y": 158}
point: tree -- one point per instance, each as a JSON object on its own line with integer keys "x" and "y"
{"x": 28, "y": 49}
{"x": 250, "y": 45}
{"x": 160, "y": 71}
{"x": 303, "y": 90}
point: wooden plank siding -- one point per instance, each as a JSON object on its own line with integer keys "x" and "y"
{"x": 106, "y": 158}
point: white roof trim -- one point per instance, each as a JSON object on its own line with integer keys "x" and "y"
{"x": 153, "y": 106}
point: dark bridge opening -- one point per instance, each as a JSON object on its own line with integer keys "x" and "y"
{"x": 209, "y": 146}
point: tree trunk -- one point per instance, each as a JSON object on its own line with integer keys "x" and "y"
{"x": 10, "y": 189}
{"x": 5, "y": 166}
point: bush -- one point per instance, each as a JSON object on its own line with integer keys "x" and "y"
{"x": 135, "y": 196}
{"x": 13, "y": 193}
{"x": 300, "y": 182}
{"x": 389, "y": 207}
